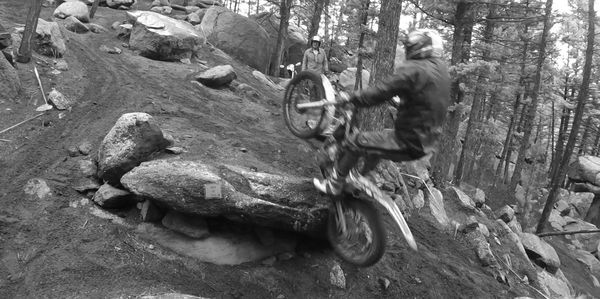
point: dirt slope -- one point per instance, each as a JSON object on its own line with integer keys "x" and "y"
{"x": 51, "y": 249}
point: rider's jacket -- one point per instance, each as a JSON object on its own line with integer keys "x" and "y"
{"x": 424, "y": 87}
{"x": 316, "y": 62}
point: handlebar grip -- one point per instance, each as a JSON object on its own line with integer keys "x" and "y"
{"x": 316, "y": 104}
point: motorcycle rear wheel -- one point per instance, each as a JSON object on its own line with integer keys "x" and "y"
{"x": 304, "y": 87}
{"x": 365, "y": 240}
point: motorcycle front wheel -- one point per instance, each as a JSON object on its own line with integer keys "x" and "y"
{"x": 364, "y": 240}
{"x": 304, "y": 87}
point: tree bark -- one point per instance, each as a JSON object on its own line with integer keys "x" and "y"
{"x": 504, "y": 157}
{"x": 94, "y": 8}
{"x": 24, "y": 52}
{"x": 474, "y": 122}
{"x": 315, "y": 20}
{"x": 284, "y": 12}
{"x": 531, "y": 111}
{"x": 373, "y": 118}
{"x": 562, "y": 132}
{"x": 364, "y": 17}
{"x": 581, "y": 100}
{"x": 584, "y": 137}
{"x": 461, "y": 52}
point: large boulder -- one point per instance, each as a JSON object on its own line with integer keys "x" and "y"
{"x": 10, "y": 84}
{"x": 588, "y": 241}
{"x": 133, "y": 138}
{"x": 48, "y": 39}
{"x": 74, "y": 25}
{"x": 238, "y": 36}
{"x": 540, "y": 252}
{"x": 434, "y": 210}
{"x": 296, "y": 41}
{"x": 585, "y": 169}
{"x": 348, "y": 78}
{"x": 588, "y": 259}
{"x": 283, "y": 202}
{"x": 110, "y": 197}
{"x": 554, "y": 286}
{"x": 217, "y": 76}
{"x": 159, "y": 37}
{"x": 73, "y": 8}
{"x": 581, "y": 201}
{"x": 5, "y": 38}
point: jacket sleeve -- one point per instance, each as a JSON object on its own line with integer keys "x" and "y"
{"x": 304, "y": 60}
{"x": 383, "y": 91}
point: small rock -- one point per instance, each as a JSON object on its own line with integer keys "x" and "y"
{"x": 74, "y": 25}
{"x": 217, "y": 76}
{"x": 59, "y": 100}
{"x": 73, "y": 151}
{"x": 167, "y": 10}
{"x": 191, "y": 9}
{"x": 37, "y": 187}
{"x": 110, "y": 197}
{"x": 506, "y": 213}
{"x": 286, "y": 256}
{"x": 86, "y": 184}
{"x": 243, "y": 149}
{"x": 595, "y": 281}
{"x": 194, "y": 19}
{"x": 151, "y": 247}
{"x": 336, "y": 276}
{"x": 95, "y": 28}
{"x": 85, "y": 148}
{"x": 281, "y": 296}
{"x": 61, "y": 65}
{"x": 384, "y": 283}
{"x": 150, "y": 212}
{"x": 87, "y": 168}
{"x": 116, "y": 25}
{"x": 124, "y": 30}
{"x": 176, "y": 150}
{"x": 110, "y": 50}
{"x": 185, "y": 61}
{"x": 269, "y": 261}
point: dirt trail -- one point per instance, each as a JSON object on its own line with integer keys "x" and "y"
{"x": 51, "y": 249}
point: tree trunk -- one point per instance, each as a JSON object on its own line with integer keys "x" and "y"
{"x": 257, "y": 6}
{"x": 595, "y": 148}
{"x": 461, "y": 53}
{"x": 505, "y": 157}
{"x": 516, "y": 177}
{"x": 327, "y": 21}
{"x": 581, "y": 99}
{"x": 315, "y": 20}
{"x": 364, "y": 17}
{"x": 562, "y": 132}
{"x": 474, "y": 122}
{"x": 373, "y": 118}
{"x": 584, "y": 137}
{"x": 24, "y": 52}
{"x": 94, "y": 8}
{"x": 284, "y": 12}
{"x": 552, "y": 124}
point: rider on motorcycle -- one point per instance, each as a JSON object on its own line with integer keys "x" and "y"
{"x": 423, "y": 83}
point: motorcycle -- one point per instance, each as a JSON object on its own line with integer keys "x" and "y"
{"x": 355, "y": 229}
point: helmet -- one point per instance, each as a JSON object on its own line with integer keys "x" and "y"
{"x": 316, "y": 38}
{"x": 423, "y": 43}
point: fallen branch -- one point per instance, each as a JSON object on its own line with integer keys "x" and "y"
{"x": 178, "y": 7}
{"x": 12, "y": 127}
{"x": 569, "y": 233}
{"x": 4, "y": 140}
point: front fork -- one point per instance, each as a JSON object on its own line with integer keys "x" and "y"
{"x": 341, "y": 219}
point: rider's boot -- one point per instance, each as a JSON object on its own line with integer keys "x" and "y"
{"x": 333, "y": 185}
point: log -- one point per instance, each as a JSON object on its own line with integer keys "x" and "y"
{"x": 14, "y": 126}
{"x": 569, "y": 233}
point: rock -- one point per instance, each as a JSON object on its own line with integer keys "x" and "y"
{"x": 59, "y": 100}
{"x": 506, "y": 213}
{"x": 476, "y": 194}
{"x": 556, "y": 220}
{"x": 270, "y": 261}
{"x": 384, "y": 283}
{"x": 73, "y": 151}
{"x": 85, "y": 148}
{"x": 562, "y": 207}
{"x": 191, "y": 9}
{"x": 585, "y": 168}
{"x": 115, "y": 25}
{"x": 84, "y": 185}
{"x": 282, "y": 202}
{"x": 10, "y": 84}
{"x": 515, "y": 226}
{"x": 478, "y": 242}
{"x": 294, "y": 44}
{"x": 95, "y": 28}
{"x": 588, "y": 259}
{"x": 336, "y": 276}
{"x": 163, "y": 38}
{"x": 158, "y": 9}
{"x": 74, "y": 25}
{"x": 73, "y": 8}
{"x": 176, "y": 150}
{"x": 588, "y": 241}
{"x": 87, "y": 168}
{"x": 119, "y": 3}
{"x": 133, "y": 138}
{"x": 217, "y": 76}
{"x": 110, "y": 197}
{"x": 110, "y": 50}
{"x": 38, "y": 188}
{"x": 540, "y": 252}
{"x": 49, "y": 41}
{"x": 205, "y": 3}
{"x": 554, "y": 287}
{"x": 418, "y": 200}
{"x": 189, "y": 225}
{"x": 216, "y": 249}
{"x": 61, "y": 65}
{"x": 150, "y": 212}
{"x": 286, "y": 256}
{"x": 167, "y": 10}
{"x": 5, "y": 38}
{"x": 194, "y": 18}
{"x": 581, "y": 201}
{"x": 515, "y": 247}
{"x": 248, "y": 90}
{"x": 264, "y": 80}
{"x": 348, "y": 78}
{"x": 170, "y": 296}
{"x": 434, "y": 207}
{"x": 238, "y": 36}
{"x": 463, "y": 200}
